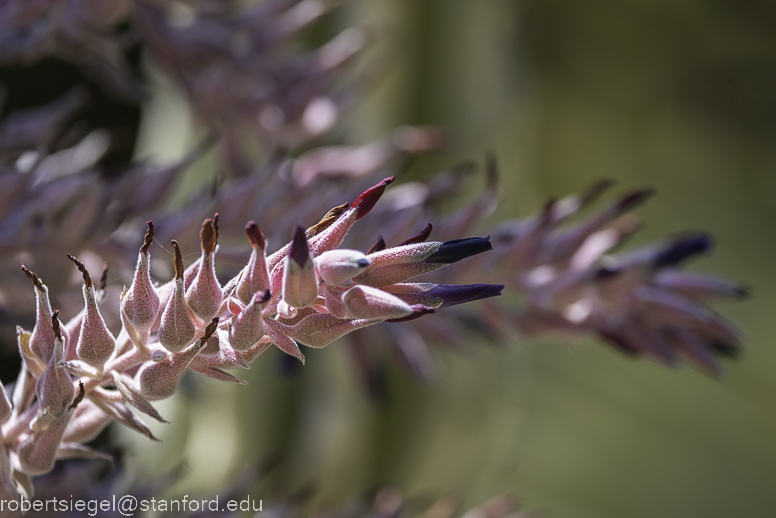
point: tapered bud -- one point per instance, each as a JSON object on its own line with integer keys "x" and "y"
{"x": 373, "y": 304}
{"x": 140, "y": 304}
{"x": 420, "y": 237}
{"x": 339, "y": 266}
{"x": 159, "y": 380}
{"x": 54, "y": 387}
{"x": 176, "y": 330}
{"x": 42, "y": 339}
{"x": 204, "y": 294}
{"x": 300, "y": 287}
{"x": 364, "y": 203}
{"x": 682, "y": 248}
{"x": 444, "y": 295}
{"x": 95, "y": 342}
{"x": 255, "y": 277}
{"x": 458, "y": 249}
{"x": 247, "y": 327}
{"x": 37, "y": 452}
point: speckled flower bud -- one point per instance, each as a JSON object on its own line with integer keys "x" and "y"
{"x": 176, "y": 330}
{"x": 247, "y": 327}
{"x": 95, "y": 343}
{"x": 140, "y": 303}
{"x": 42, "y": 339}
{"x": 54, "y": 387}
{"x": 38, "y": 451}
{"x": 204, "y": 294}
{"x": 255, "y": 277}
{"x": 374, "y": 304}
{"x": 300, "y": 287}
{"x": 339, "y": 266}
{"x": 159, "y": 380}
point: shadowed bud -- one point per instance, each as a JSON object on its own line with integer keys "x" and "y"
{"x": 367, "y": 200}
{"x": 87, "y": 422}
{"x": 42, "y": 339}
{"x": 54, "y": 387}
{"x": 300, "y": 287}
{"x": 204, "y": 294}
{"x": 95, "y": 342}
{"x": 247, "y": 327}
{"x": 420, "y": 237}
{"x": 458, "y": 249}
{"x": 140, "y": 304}
{"x": 176, "y": 330}
{"x": 374, "y": 304}
{"x": 159, "y": 380}
{"x": 37, "y": 452}
{"x": 5, "y": 405}
{"x": 339, "y": 266}
{"x": 255, "y": 277}
{"x": 682, "y": 248}
{"x": 378, "y": 246}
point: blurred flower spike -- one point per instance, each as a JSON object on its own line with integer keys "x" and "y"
{"x": 309, "y": 292}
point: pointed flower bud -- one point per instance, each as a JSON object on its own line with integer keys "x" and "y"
{"x": 247, "y": 327}
{"x": 38, "y": 451}
{"x": 54, "y": 387}
{"x": 373, "y": 304}
{"x": 42, "y": 339}
{"x": 159, "y": 380}
{"x": 443, "y": 295}
{"x": 140, "y": 304}
{"x": 176, "y": 330}
{"x": 95, "y": 343}
{"x": 420, "y": 237}
{"x": 204, "y": 294}
{"x": 339, "y": 266}
{"x": 458, "y": 249}
{"x": 255, "y": 277}
{"x": 300, "y": 288}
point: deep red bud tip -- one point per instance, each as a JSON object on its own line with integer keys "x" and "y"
{"x": 254, "y": 235}
{"x": 299, "y": 251}
{"x": 368, "y": 198}
{"x": 208, "y": 236}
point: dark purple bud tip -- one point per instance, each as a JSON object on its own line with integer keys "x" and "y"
{"x": 418, "y": 310}
{"x": 633, "y": 199}
{"x": 682, "y": 248}
{"x": 453, "y": 294}
{"x": 725, "y": 349}
{"x": 457, "y": 249}
{"x": 420, "y": 237}
{"x": 254, "y": 235}
{"x": 369, "y": 197}
{"x": 377, "y": 247}
{"x": 299, "y": 251}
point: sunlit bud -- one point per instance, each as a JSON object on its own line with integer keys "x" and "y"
{"x": 373, "y": 304}
{"x": 95, "y": 343}
{"x": 443, "y": 295}
{"x": 247, "y": 327}
{"x": 176, "y": 330}
{"x": 54, "y": 387}
{"x": 339, "y": 266}
{"x": 140, "y": 303}
{"x": 300, "y": 287}
{"x": 42, "y": 339}
{"x": 159, "y": 380}
{"x": 255, "y": 277}
{"x": 204, "y": 294}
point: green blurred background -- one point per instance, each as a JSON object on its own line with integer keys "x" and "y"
{"x": 679, "y": 95}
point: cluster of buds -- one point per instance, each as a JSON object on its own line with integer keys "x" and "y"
{"x": 77, "y": 377}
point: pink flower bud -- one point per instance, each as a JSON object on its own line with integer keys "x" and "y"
{"x": 95, "y": 343}
{"x": 159, "y": 380}
{"x": 176, "y": 330}
{"x": 247, "y": 327}
{"x": 38, "y": 451}
{"x": 369, "y": 303}
{"x": 140, "y": 303}
{"x": 42, "y": 339}
{"x": 54, "y": 387}
{"x": 340, "y": 266}
{"x": 204, "y": 294}
{"x": 255, "y": 277}
{"x": 300, "y": 287}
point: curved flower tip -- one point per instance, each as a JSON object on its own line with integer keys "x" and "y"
{"x": 454, "y": 294}
{"x": 367, "y": 200}
{"x": 459, "y": 249}
{"x": 420, "y": 237}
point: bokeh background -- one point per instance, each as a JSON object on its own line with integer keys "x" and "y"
{"x": 678, "y": 95}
